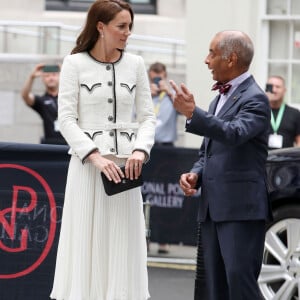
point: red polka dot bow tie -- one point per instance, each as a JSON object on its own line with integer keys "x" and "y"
{"x": 223, "y": 88}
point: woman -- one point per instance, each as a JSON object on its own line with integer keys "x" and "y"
{"x": 102, "y": 248}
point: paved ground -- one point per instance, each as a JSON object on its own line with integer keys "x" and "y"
{"x": 171, "y": 284}
{"x": 172, "y": 275}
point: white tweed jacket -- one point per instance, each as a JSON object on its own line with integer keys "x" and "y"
{"x": 105, "y": 106}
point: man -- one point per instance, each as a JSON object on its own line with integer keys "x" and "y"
{"x": 166, "y": 115}
{"x": 165, "y": 131}
{"x": 45, "y": 105}
{"x": 231, "y": 169}
{"x": 284, "y": 128}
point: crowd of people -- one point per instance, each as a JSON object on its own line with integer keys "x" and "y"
{"x": 89, "y": 103}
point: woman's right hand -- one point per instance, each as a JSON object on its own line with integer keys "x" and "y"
{"x": 108, "y": 167}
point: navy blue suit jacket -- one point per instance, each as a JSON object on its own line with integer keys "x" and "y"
{"x": 231, "y": 165}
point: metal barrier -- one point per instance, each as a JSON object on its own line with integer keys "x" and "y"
{"x": 147, "y": 209}
{"x": 55, "y": 38}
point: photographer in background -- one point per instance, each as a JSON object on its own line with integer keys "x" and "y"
{"x": 45, "y": 105}
{"x": 166, "y": 115}
{"x": 284, "y": 129}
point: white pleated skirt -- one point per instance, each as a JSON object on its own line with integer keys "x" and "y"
{"x": 102, "y": 253}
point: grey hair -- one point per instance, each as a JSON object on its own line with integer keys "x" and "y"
{"x": 278, "y": 77}
{"x": 239, "y": 43}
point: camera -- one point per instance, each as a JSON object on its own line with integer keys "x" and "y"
{"x": 269, "y": 87}
{"x": 51, "y": 69}
{"x": 156, "y": 80}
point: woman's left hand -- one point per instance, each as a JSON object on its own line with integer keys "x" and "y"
{"x": 134, "y": 164}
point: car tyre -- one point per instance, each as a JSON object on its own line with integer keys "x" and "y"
{"x": 280, "y": 273}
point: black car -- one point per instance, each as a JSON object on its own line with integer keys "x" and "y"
{"x": 280, "y": 274}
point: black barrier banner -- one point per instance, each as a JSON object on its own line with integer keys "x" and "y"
{"x": 32, "y": 183}
{"x": 173, "y": 217}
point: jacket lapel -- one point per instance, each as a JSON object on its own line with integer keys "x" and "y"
{"x": 229, "y": 103}
{"x": 211, "y": 110}
{"x": 213, "y": 106}
{"x": 232, "y": 100}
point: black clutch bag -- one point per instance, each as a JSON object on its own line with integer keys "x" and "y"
{"x": 112, "y": 188}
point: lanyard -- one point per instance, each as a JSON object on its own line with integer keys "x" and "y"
{"x": 157, "y": 106}
{"x": 276, "y": 123}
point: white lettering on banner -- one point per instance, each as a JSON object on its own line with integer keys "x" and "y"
{"x": 164, "y": 194}
{"x": 153, "y": 187}
{"x": 175, "y": 189}
{"x": 37, "y": 231}
{"x": 165, "y": 201}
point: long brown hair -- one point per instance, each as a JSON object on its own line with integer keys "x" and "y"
{"x": 103, "y": 11}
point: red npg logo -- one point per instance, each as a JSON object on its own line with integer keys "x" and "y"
{"x": 27, "y": 220}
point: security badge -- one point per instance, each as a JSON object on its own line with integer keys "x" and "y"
{"x": 56, "y": 125}
{"x": 275, "y": 141}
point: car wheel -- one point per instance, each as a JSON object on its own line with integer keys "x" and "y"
{"x": 280, "y": 273}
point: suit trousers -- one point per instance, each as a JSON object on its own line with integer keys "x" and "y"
{"x": 232, "y": 253}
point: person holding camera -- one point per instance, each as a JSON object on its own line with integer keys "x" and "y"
{"x": 284, "y": 128}
{"x": 166, "y": 115}
{"x": 45, "y": 105}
